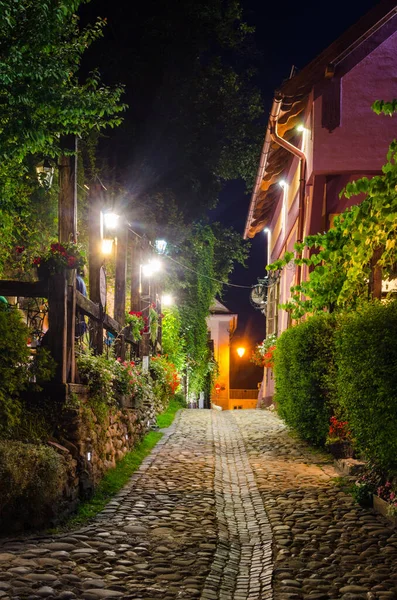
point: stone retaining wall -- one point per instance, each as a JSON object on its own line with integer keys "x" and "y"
{"x": 88, "y": 447}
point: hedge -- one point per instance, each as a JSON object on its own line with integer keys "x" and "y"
{"x": 303, "y": 359}
{"x": 32, "y": 478}
{"x": 366, "y": 356}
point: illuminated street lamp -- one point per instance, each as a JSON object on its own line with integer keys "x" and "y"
{"x": 110, "y": 219}
{"x": 107, "y": 246}
{"x": 160, "y": 246}
{"x": 167, "y": 300}
{"x": 45, "y": 173}
{"x": 241, "y": 351}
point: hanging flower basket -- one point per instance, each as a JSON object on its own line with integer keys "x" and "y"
{"x": 58, "y": 258}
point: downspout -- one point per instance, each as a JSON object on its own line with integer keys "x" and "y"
{"x": 273, "y": 120}
{"x": 261, "y": 170}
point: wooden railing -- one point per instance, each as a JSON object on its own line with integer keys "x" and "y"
{"x": 61, "y": 316}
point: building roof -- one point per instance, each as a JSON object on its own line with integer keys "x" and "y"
{"x": 349, "y": 49}
{"x": 218, "y": 308}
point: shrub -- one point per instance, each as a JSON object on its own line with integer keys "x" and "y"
{"x": 97, "y": 371}
{"x": 31, "y": 479}
{"x": 164, "y": 376}
{"x": 366, "y": 354}
{"x": 18, "y": 369}
{"x": 303, "y": 359}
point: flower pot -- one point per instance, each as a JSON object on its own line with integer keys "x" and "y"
{"x": 342, "y": 449}
{"x": 43, "y": 272}
{"x": 381, "y": 507}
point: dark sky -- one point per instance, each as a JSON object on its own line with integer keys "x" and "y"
{"x": 288, "y": 33}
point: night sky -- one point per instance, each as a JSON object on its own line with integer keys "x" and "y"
{"x": 288, "y": 33}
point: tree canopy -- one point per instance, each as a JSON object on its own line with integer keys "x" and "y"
{"x": 194, "y": 110}
{"x": 42, "y": 98}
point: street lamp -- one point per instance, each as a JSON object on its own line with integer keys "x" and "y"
{"x": 45, "y": 173}
{"x": 110, "y": 219}
{"x": 241, "y": 351}
{"x": 167, "y": 300}
{"x": 160, "y": 246}
{"x": 107, "y": 246}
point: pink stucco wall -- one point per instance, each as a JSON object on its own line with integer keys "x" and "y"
{"x": 361, "y": 141}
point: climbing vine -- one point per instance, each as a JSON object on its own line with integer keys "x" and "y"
{"x": 341, "y": 261}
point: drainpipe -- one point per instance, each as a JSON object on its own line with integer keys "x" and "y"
{"x": 261, "y": 170}
{"x": 273, "y": 120}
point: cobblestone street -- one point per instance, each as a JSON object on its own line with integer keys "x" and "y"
{"x": 228, "y": 506}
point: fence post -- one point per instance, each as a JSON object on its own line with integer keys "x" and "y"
{"x": 57, "y": 319}
{"x": 121, "y": 275}
{"x": 67, "y": 231}
{"x": 95, "y": 263}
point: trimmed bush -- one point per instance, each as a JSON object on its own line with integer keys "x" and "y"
{"x": 366, "y": 354}
{"x": 303, "y": 359}
{"x": 31, "y": 481}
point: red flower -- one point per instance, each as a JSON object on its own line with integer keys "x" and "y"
{"x": 37, "y": 260}
{"x": 71, "y": 261}
{"x": 19, "y": 249}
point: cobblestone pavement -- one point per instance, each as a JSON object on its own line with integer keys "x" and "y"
{"x": 196, "y": 520}
{"x": 324, "y": 545}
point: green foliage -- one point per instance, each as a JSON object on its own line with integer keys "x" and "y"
{"x": 208, "y": 107}
{"x": 366, "y": 354}
{"x": 172, "y": 341}
{"x": 259, "y": 354}
{"x": 129, "y": 380}
{"x": 41, "y": 48}
{"x": 164, "y": 377}
{"x": 114, "y": 480}
{"x": 199, "y": 266}
{"x": 60, "y": 257}
{"x": 17, "y": 367}
{"x": 31, "y": 478}
{"x": 42, "y": 100}
{"x": 302, "y": 358}
{"x": 137, "y": 322}
{"x": 340, "y": 259}
{"x": 97, "y": 371}
{"x": 166, "y": 418}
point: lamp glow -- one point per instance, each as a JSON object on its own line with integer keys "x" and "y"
{"x": 147, "y": 270}
{"x": 160, "y": 246}
{"x": 301, "y": 128}
{"x": 155, "y": 265}
{"x": 167, "y": 300}
{"x": 110, "y": 219}
{"x": 241, "y": 351}
{"x": 107, "y": 246}
{"x": 282, "y": 183}
{"x": 266, "y": 230}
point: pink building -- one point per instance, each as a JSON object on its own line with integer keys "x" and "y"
{"x": 321, "y": 134}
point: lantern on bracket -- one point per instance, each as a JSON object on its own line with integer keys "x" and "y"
{"x": 45, "y": 173}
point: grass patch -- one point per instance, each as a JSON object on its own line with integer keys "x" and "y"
{"x": 112, "y": 482}
{"x": 166, "y": 418}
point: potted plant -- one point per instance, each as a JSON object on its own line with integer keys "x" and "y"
{"x": 138, "y": 323}
{"x": 58, "y": 258}
{"x": 339, "y": 439}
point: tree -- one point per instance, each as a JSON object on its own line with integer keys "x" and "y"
{"x": 195, "y": 112}
{"x": 197, "y": 270}
{"x": 42, "y": 99}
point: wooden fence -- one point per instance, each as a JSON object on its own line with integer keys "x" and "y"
{"x": 63, "y": 300}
